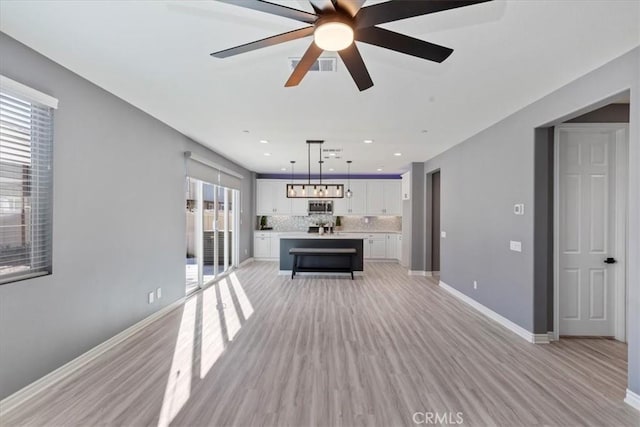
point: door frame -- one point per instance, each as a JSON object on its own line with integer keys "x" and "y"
{"x": 621, "y": 223}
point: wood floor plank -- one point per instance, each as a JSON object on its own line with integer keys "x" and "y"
{"x": 261, "y": 349}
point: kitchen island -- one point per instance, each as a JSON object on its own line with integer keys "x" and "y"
{"x": 312, "y": 240}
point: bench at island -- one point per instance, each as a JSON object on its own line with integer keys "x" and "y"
{"x": 300, "y": 253}
{"x": 330, "y": 259}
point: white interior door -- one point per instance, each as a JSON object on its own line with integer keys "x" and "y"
{"x": 586, "y": 230}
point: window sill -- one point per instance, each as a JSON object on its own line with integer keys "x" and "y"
{"x": 19, "y": 277}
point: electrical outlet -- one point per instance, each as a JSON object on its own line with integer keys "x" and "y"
{"x": 518, "y": 209}
{"x": 475, "y": 284}
{"x": 443, "y": 234}
{"x": 515, "y": 246}
{"x": 158, "y": 293}
{"x": 151, "y": 297}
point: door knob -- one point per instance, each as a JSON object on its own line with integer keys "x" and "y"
{"x": 610, "y": 261}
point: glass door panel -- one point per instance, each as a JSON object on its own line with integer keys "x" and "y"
{"x": 192, "y": 271}
{"x": 211, "y": 221}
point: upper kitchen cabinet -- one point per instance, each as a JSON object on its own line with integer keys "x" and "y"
{"x": 384, "y": 197}
{"x": 271, "y": 198}
{"x": 357, "y": 204}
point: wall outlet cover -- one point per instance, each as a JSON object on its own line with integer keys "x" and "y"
{"x": 518, "y": 209}
{"x": 443, "y": 234}
{"x": 159, "y": 293}
{"x": 515, "y": 246}
{"x": 151, "y": 297}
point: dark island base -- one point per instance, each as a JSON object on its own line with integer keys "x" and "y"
{"x": 310, "y": 262}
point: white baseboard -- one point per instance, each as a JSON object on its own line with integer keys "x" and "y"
{"x": 503, "y": 321}
{"x": 552, "y": 336}
{"x": 632, "y": 399}
{"x": 541, "y": 338}
{"x": 39, "y": 385}
{"x": 420, "y": 273}
{"x": 245, "y": 262}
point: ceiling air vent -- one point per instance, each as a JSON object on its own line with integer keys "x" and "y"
{"x": 332, "y": 153}
{"x": 321, "y": 64}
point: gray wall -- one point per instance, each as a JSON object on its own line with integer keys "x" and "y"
{"x": 435, "y": 221}
{"x": 119, "y": 223}
{"x": 543, "y": 229}
{"x": 484, "y": 176}
{"x": 612, "y": 113}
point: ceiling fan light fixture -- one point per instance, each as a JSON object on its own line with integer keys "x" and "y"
{"x": 333, "y": 36}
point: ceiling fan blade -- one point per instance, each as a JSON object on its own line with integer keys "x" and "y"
{"x": 354, "y": 63}
{"x": 269, "y": 41}
{"x": 307, "y": 60}
{"x": 402, "y": 43}
{"x": 274, "y": 9}
{"x": 402, "y": 9}
{"x": 352, "y": 7}
{"x": 322, "y": 5}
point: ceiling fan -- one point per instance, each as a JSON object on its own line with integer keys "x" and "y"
{"x": 337, "y": 23}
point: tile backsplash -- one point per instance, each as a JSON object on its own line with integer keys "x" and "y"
{"x": 349, "y": 223}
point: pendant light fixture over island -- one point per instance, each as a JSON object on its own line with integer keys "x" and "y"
{"x": 314, "y": 190}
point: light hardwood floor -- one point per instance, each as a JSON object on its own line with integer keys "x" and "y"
{"x": 261, "y": 349}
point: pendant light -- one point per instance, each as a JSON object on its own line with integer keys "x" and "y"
{"x": 313, "y": 189}
{"x": 348, "y": 194}
{"x": 292, "y": 190}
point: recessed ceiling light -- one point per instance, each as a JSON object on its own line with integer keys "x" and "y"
{"x": 379, "y": 169}
{"x": 368, "y": 141}
{"x": 283, "y": 169}
{"x": 332, "y": 154}
{"x": 397, "y": 154}
{"x": 331, "y": 169}
{"x": 264, "y": 141}
{"x": 245, "y": 131}
{"x": 267, "y": 154}
{"x": 424, "y": 131}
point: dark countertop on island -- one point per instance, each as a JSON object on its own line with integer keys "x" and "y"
{"x": 310, "y": 240}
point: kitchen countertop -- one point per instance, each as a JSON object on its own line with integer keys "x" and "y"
{"x": 341, "y": 232}
{"x": 326, "y": 236}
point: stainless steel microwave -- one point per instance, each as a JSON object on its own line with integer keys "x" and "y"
{"x": 320, "y": 207}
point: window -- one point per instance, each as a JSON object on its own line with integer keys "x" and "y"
{"x": 26, "y": 142}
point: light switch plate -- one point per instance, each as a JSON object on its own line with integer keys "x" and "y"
{"x": 159, "y": 293}
{"x": 151, "y": 297}
{"x": 515, "y": 246}
{"x": 443, "y": 234}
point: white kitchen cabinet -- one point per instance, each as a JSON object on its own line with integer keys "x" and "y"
{"x": 399, "y": 247}
{"x": 384, "y": 197}
{"x": 370, "y": 197}
{"x": 406, "y": 186}
{"x": 392, "y": 246}
{"x": 261, "y": 247}
{"x": 374, "y": 245}
{"x": 378, "y": 247}
{"x": 356, "y": 204}
{"x": 266, "y": 245}
{"x": 271, "y": 198}
{"x": 299, "y": 207}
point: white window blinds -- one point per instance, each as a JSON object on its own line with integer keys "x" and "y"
{"x": 26, "y": 146}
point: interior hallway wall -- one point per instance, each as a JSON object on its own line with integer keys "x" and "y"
{"x": 118, "y": 223}
{"x": 484, "y": 176}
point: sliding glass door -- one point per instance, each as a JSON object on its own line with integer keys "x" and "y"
{"x": 211, "y": 220}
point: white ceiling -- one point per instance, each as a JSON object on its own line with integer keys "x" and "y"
{"x": 155, "y": 55}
